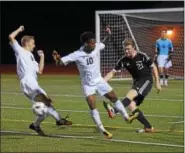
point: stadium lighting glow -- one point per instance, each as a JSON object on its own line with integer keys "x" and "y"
{"x": 169, "y": 32}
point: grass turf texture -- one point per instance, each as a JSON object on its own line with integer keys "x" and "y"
{"x": 164, "y": 111}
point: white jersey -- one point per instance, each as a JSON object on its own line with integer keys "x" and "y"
{"x": 88, "y": 64}
{"x": 26, "y": 64}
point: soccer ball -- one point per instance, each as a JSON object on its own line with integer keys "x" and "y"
{"x": 39, "y": 109}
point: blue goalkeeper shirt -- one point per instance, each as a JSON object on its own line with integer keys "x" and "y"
{"x": 164, "y": 46}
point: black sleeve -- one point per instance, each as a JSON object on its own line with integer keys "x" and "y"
{"x": 119, "y": 64}
{"x": 147, "y": 60}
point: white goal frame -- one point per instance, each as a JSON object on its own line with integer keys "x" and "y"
{"x": 122, "y": 13}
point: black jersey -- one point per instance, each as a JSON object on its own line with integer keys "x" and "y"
{"x": 140, "y": 67}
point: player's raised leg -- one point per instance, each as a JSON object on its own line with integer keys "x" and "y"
{"x": 119, "y": 107}
{"x": 51, "y": 110}
{"x": 36, "y": 94}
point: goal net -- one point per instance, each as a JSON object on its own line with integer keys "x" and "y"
{"x": 144, "y": 27}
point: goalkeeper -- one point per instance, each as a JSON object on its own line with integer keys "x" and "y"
{"x": 164, "y": 50}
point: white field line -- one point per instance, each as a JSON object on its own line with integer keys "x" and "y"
{"x": 176, "y": 122}
{"x": 114, "y": 86}
{"x": 96, "y": 138}
{"x": 81, "y": 96}
{"x": 82, "y": 111}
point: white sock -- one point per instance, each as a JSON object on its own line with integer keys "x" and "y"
{"x": 38, "y": 120}
{"x": 96, "y": 118}
{"x": 119, "y": 107}
{"x": 161, "y": 81}
{"x": 54, "y": 113}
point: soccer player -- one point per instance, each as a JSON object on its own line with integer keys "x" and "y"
{"x": 27, "y": 70}
{"x": 164, "y": 50}
{"x": 87, "y": 59}
{"x": 140, "y": 66}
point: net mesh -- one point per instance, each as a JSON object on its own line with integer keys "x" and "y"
{"x": 145, "y": 28}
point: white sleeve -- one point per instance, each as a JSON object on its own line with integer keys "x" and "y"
{"x": 100, "y": 45}
{"x": 16, "y": 47}
{"x": 69, "y": 58}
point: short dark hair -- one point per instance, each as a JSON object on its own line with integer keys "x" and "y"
{"x": 164, "y": 30}
{"x": 86, "y": 36}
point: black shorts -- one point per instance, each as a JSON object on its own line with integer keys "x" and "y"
{"x": 143, "y": 87}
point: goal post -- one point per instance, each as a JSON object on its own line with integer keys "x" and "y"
{"x": 144, "y": 27}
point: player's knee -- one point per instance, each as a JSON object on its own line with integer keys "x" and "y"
{"x": 111, "y": 96}
{"x": 113, "y": 99}
{"x": 126, "y": 102}
{"x": 132, "y": 106}
{"x": 43, "y": 98}
{"x": 139, "y": 99}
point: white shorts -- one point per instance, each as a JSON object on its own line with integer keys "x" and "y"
{"x": 162, "y": 61}
{"x": 102, "y": 88}
{"x": 31, "y": 88}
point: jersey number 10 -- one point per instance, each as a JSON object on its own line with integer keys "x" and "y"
{"x": 89, "y": 61}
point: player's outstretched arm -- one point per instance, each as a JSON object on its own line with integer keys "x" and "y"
{"x": 41, "y": 63}
{"x": 109, "y": 75}
{"x": 15, "y": 33}
{"x": 108, "y": 31}
{"x": 156, "y": 75}
{"x": 57, "y": 58}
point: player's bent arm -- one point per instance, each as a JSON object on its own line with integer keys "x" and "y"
{"x": 110, "y": 75}
{"x": 60, "y": 62}
{"x": 105, "y": 40}
{"x": 57, "y": 58}
{"x": 155, "y": 72}
{"x": 41, "y": 65}
{"x": 14, "y": 34}
{"x": 41, "y": 62}
{"x": 65, "y": 60}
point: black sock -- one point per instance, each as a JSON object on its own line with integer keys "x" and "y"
{"x": 126, "y": 102}
{"x": 166, "y": 76}
{"x": 141, "y": 118}
{"x": 161, "y": 76}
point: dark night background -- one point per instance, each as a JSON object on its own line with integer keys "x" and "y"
{"x": 58, "y": 25}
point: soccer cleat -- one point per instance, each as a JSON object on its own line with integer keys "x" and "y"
{"x": 132, "y": 117}
{"x": 37, "y": 129}
{"x": 63, "y": 121}
{"x": 107, "y": 134}
{"x": 147, "y": 130}
{"x": 110, "y": 109}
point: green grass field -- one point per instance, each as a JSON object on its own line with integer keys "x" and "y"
{"x": 165, "y": 111}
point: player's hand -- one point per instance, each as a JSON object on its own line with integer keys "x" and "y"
{"x": 56, "y": 56}
{"x": 21, "y": 28}
{"x": 40, "y": 53}
{"x": 158, "y": 87}
{"x": 108, "y": 29}
{"x": 168, "y": 59}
